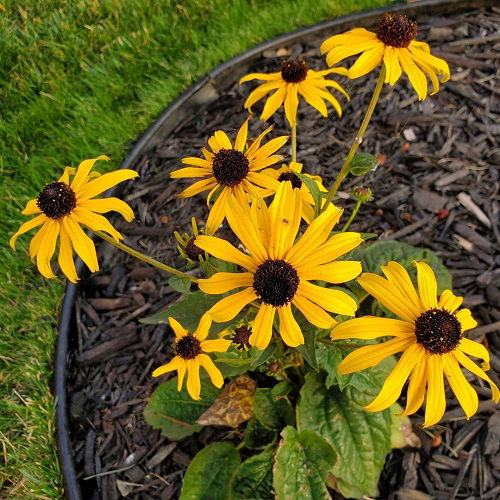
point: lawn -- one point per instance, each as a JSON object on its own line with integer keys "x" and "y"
{"x": 79, "y": 79}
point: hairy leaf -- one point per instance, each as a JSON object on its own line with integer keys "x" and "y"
{"x": 254, "y": 478}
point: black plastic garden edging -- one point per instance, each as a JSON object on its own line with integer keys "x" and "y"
{"x": 198, "y": 96}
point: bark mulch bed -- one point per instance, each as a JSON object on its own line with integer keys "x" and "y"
{"x": 437, "y": 187}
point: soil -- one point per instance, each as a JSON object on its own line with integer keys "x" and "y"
{"x": 437, "y": 186}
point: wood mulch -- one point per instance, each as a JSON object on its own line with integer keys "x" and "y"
{"x": 437, "y": 186}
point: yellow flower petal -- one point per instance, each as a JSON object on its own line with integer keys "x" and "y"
{"x": 27, "y": 226}
{"x": 260, "y": 76}
{"x": 181, "y": 371}
{"x": 477, "y": 350}
{"x": 440, "y": 66}
{"x": 436, "y": 399}
{"x": 372, "y": 355}
{"x": 473, "y": 368}
{"x": 216, "y": 345}
{"x": 262, "y": 327}
{"x": 371, "y": 327}
{"x": 47, "y": 248}
{"x": 218, "y": 211}
{"x": 336, "y": 55}
{"x": 241, "y": 137}
{"x": 82, "y": 244}
{"x": 201, "y": 333}
{"x": 415, "y": 74}
{"x": 104, "y": 205}
{"x": 213, "y": 372}
{"x": 400, "y": 278}
{"x": 222, "y": 249}
{"x": 289, "y": 329}
{"x": 351, "y": 37}
{"x": 335, "y": 272}
{"x": 260, "y": 92}
{"x": 228, "y": 307}
{"x": 104, "y": 182}
{"x": 193, "y": 384}
{"x": 172, "y": 365}
{"x": 393, "y": 69}
{"x": 95, "y": 222}
{"x": 198, "y": 187}
{"x": 256, "y": 144}
{"x": 178, "y": 329}
{"x": 466, "y": 395}
{"x": 467, "y": 322}
{"x": 367, "y": 61}
{"x": 66, "y": 262}
{"x": 427, "y": 285}
{"x": 31, "y": 208}
{"x": 191, "y": 172}
{"x": 449, "y": 301}
{"x": 201, "y": 163}
{"x": 311, "y": 96}
{"x": 416, "y": 388}
{"x": 273, "y": 103}
{"x": 329, "y": 299}
{"x": 313, "y": 313}
{"x": 389, "y": 296}
{"x": 291, "y": 105}
{"x": 82, "y": 173}
{"x": 224, "y": 282}
{"x": 394, "y": 383}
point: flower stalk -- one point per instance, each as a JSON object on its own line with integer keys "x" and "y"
{"x": 144, "y": 258}
{"x": 357, "y": 140}
{"x": 294, "y": 143}
{"x": 351, "y": 218}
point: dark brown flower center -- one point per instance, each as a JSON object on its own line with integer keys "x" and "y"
{"x": 56, "y": 200}
{"x": 242, "y": 337}
{"x": 192, "y": 251}
{"x": 294, "y": 70}
{"x": 290, "y": 176}
{"x": 275, "y": 282}
{"x": 230, "y": 167}
{"x": 438, "y": 331}
{"x": 396, "y": 30}
{"x": 188, "y": 347}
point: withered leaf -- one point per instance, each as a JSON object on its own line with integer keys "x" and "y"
{"x": 233, "y": 406}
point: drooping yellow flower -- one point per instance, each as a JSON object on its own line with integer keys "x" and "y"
{"x": 189, "y": 356}
{"x": 231, "y": 170}
{"x": 393, "y": 44}
{"x": 63, "y": 208}
{"x": 287, "y": 174}
{"x": 294, "y": 79}
{"x": 430, "y": 334}
{"x": 279, "y": 270}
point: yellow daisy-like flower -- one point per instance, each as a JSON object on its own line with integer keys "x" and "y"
{"x": 287, "y": 173}
{"x": 279, "y": 270}
{"x": 189, "y": 356}
{"x": 63, "y": 208}
{"x": 232, "y": 170}
{"x": 430, "y": 335}
{"x": 294, "y": 79}
{"x": 393, "y": 44}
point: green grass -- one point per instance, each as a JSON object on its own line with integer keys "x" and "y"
{"x": 78, "y": 79}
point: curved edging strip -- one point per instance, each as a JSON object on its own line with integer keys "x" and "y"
{"x": 199, "y": 95}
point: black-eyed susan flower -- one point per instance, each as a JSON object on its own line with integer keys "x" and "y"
{"x": 187, "y": 247}
{"x": 279, "y": 270}
{"x": 393, "y": 44}
{"x": 287, "y": 173}
{"x": 64, "y": 207}
{"x": 231, "y": 170}
{"x": 190, "y": 355}
{"x": 294, "y": 79}
{"x": 430, "y": 333}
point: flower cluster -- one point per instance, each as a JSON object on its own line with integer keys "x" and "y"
{"x": 288, "y": 257}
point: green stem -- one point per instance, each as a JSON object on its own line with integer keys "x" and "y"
{"x": 357, "y": 140}
{"x": 294, "y": 143}
{"x": 144, "y": 258}
{"x": 351, "y": 218}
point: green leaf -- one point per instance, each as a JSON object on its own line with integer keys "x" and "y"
{"x": 263, "y": 356}
{"x": 362, "y": 163}
{"x": 209, "y": 475}
{"x": 182, "y": 285}
{"x": 175, "y": 413}
{"x": 361, "y": 439}
{"x": 270, "y": 411}
{"x": 254, "y": 478}
{"x": 282, "y": 389}
{"x": 303, "y": 461}
{"x": 313, "y": 189}
{"x": 329, "y": 358}
{"x": 308, "y": 348}
{"x": 188, "y": 311}
{"x": 257, "y": 435}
